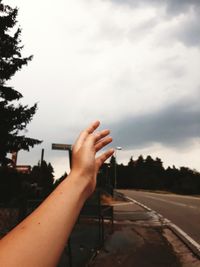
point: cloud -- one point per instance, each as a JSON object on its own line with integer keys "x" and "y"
{"x": 181, "y": 18}
{"x": 162, "y": 133}
{"x": 120, "y": 63}
{"x": 173, "y": 7}
{"x": 173, "y": 126}
{"x": 189, "y": 32}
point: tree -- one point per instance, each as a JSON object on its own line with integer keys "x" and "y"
{"x": 131, "y": 162}
{"x": 59, "y": 180}
{"x": 42, "y": 175}
{"x": 140, "y": 162}
{"x": 14, "y": 117}
{"x": 10, "y": 185}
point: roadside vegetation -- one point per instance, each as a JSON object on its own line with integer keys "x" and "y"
{"x": 148, "y": 173}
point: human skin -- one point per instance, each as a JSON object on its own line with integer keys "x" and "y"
{"x": 39, "y": 240}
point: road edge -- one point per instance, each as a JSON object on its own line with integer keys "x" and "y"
{"x": 185, "y": 238}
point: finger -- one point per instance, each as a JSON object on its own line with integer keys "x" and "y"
{"x": 94, "y": 138}
{"x": 100, "y": 135}
{"x": 102, "y": 158}
{"x": 92, "y": 127}
{"x": 84, "y": 134}
{"x": 107, "y": 140}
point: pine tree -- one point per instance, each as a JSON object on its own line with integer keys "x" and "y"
{"x": 14, "y": 117}
{"x": 131, "y": 162}
{"x": 42, "y": 175}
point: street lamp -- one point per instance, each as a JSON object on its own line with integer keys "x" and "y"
{"x": 117, "y": 148}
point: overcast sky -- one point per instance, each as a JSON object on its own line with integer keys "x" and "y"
{"x": 134, "y": 65}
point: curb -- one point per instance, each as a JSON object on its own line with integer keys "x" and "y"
{"x": 185, "y": 238}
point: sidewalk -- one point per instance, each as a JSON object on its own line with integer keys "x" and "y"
{"x": 141, "y": 239}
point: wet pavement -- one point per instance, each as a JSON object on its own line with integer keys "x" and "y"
{"x": 84, "y": 243}
{"x": 141, "y": 239}
{"x": 137, "y": 246}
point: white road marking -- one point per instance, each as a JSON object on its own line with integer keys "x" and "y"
{"x": 189, "y": 241}
{"x": 174, "y": 203}
{"x": 140, "y": 204}
{"x": 174, "y": 195}
{"x": 167, "y": 194}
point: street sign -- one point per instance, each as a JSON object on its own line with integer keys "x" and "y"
{"x": 61, "y": 146}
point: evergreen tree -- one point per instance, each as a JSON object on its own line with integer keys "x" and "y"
{"x": 58, "y": 181}
{"x": 14, "y": 117}
{"x": 140, "y": 161}
{"x": 112, "y": 161}
{"x": 43, "y": 176}
{"x": 131, "y": 162}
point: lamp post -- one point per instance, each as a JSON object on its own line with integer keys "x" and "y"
{"x": 117, "y": 148}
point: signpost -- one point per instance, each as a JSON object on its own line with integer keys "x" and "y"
{"x": 67, "y": 147}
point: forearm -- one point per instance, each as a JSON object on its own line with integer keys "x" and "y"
{"x": 41, "y": 237}
{"x": 39, "y": 240}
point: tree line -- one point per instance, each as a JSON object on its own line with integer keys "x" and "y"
{"x": 148, "y": 173}
{"x": 141, "y": 173}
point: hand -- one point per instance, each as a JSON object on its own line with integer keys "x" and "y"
{"x": 84, "y": 161}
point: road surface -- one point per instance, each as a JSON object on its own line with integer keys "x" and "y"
{"x": 184, "y": 211}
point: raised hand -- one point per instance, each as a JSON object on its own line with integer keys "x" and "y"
{"x": 85, "y": 164}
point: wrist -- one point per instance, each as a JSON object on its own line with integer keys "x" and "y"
{"x": 81, "y": 184}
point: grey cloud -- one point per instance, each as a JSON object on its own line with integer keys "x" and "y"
{"x": 181, "y": 6}
{"x": 173, "y": 67}
{"x": 172, "y": 126}
{"x": 173, "y": 7}
{"x": 188, "y": 32}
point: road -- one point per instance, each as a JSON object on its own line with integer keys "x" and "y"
{"x": 184, "y": 211}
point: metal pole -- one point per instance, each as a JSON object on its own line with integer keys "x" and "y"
{"x": 70, "y": 158}
{"x": 42, "y": 156}
{"x": 115, "y": 170}
{"x": 117, "y": 148}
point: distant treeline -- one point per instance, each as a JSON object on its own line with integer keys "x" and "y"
{"x": 148, "y": 173}
{"x": 142, "y": 173}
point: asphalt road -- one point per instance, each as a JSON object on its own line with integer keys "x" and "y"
{"x": 184, "y": 211}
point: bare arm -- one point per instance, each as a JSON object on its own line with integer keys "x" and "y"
{"x": 40, "y": 239}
